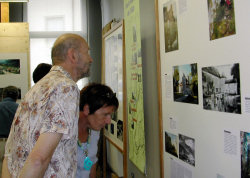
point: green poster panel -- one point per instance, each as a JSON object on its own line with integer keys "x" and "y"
{"x": 134, "y": 84}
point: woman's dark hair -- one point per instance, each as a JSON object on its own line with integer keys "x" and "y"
{"x": 96, "y": 96}
{"x": 40, "y": 71}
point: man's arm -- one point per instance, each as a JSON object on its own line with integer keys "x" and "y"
{"x": 40, "y": 156}
{"x": 5, "y": 170}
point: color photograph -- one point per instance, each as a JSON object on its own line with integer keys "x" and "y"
{"x": 245, "y": 154}
{"x": 187, "y": 149}
{"x": 170, "y": 26}
{"x": 185, "y": 83}
{"x": 171, "y": 144}
{"x": 9, "y": 66}
{"x": 221, "y": 18}
{"x": 221, "y": 88}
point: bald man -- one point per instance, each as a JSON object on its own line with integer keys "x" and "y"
{"x": 43, "y": 136}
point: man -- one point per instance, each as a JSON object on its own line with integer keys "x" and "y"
{"x": 43, "y": 137}
{"x": 8, "y": 108}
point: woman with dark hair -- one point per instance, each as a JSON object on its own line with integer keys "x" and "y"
{"x": 97, "y": 103}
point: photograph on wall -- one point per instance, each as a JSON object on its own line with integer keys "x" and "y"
{"x": 14, "y": 71}
{"x": 120, "y": 130}
{"x": 185, "y": 83}
{"x": 221, "y": 18}
{"x": 245, "y": 154}
{"x": 170, "y": 26}
{"x": 187, "y": 149}
{"x": 221, "y": 88}
{"x": 171, "y": 144}
{"x": 9, "y": 66}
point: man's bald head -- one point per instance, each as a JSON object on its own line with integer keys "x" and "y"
{"x": 63, "y": 44}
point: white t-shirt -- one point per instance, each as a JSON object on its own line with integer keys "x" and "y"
{"x": 92, "y": 151}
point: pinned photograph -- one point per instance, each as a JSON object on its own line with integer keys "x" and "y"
{"x": 221, "y": 88}
{"x": 170, "y": 26}
{"x": 185, "y": 83}
{"x": 171, "y": 144}
{"x": 245, "y": 154}
{"x": 9, "y": 66}
{"x": 221, "y": 18}
{"x": 120, "y": 130}
{"x": 187, "y": 149}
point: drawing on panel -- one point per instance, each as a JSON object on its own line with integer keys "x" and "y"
{"x": 185, "y": 83}
{"x": 120, "y": 130}
{"x": 171, "y": 144}
{"x": 221, "y": 88}
{"x": 187, "y": 149}
{"x": 245, "y": 154}
{"x": 9, "y": 66}
{"x": 170, "y": 26}
{"x": 221, "y": 18}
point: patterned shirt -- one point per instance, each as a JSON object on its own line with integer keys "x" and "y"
{"x": 52, "y": 105}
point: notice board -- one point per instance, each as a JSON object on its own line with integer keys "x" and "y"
{"x": 204, "y": 88}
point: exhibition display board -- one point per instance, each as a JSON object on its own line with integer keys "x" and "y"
{"x": 114, "y": 75}
{"x": 14, "y": 56}
{"x": 135, "y": 110}
{"x": 204, "y": 89}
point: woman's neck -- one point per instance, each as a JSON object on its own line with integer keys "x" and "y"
{"x": 83, "y": 129}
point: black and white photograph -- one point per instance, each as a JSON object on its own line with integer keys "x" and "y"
{"x": 112, "y": 128}
{"x": 187, "y": 149}
{"x": 9, "y": 66}
{"x": 120, "y": 130}
{"x": 221, "y": 88}
{"x": 171, "y": 144}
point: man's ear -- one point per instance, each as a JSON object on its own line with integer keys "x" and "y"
{"x": 86, "y": 109}
{"x": 72, "y": 55}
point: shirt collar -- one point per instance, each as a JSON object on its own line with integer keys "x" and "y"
{"x": 8, "y": 99}
{"x": 62, "y": 70}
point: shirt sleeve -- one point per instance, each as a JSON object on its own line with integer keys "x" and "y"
{"x": 62, "y": 111}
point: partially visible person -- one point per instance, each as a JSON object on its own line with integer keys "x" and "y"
{"x": 43, "y": 136}
{"x": 40, "y": 71}
{"x": 8, "y": 108}
{"x": 97, "y": 103}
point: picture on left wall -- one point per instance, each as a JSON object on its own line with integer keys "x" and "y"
{"x": 9, "y": 66}
{"x": 170, "y": 26}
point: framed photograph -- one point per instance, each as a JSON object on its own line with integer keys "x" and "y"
{"x": 14, "y": 71}
{"x": 113, "y": 70}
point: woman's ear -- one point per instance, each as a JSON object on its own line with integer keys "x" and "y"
{"x": 86, "y": 109}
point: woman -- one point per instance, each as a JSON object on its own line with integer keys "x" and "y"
{"x": 97, "y": 103}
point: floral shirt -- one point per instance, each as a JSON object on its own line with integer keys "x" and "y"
{"x": 52, "y": 105}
